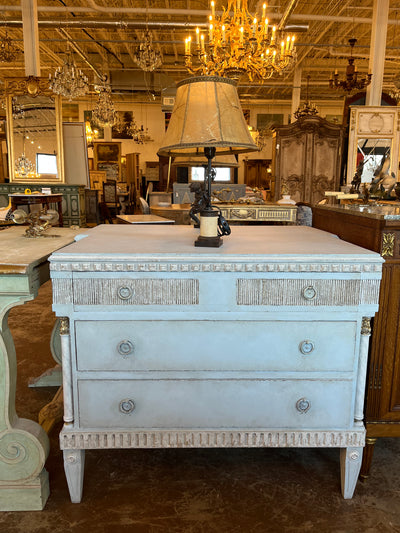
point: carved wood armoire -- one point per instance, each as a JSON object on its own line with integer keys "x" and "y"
{"x": 307, "y": 158}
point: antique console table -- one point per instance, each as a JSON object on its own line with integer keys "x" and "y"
{"x": 18, "y": 199}
{"x": 259, "y": 343}
{"x": 376, "y": 227}
{"x": 24, "y": 445}
{"x": 233, "y": 212}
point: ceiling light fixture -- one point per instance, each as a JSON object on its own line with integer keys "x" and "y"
{"x": 104, "y": 113}
{"x": 308, "y": 109}
{"x": 240, "y": 44}
{"x": 145, "y": 55}
{"x": 8, "y": 51}
{"x": 68, "y": 80}
{"x": 352, "y": 82}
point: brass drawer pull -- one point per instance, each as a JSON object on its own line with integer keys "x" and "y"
{"x": 303, "y": 405}
{"x": 125, "y": 347}
{"x": 125, "y": 293}
{"x": 309, "y": 293}
{"x": 126, "y": 406}
{"x": 306, "y": 347}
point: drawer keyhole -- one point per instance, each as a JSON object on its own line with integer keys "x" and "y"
{"x": 125, "y": 293}
{"x": 306, "y": 347}
{"x": 125, "y": 348}
{"x": 303, "y": 405}
{"x": 126, "y": 406}
{"x": 309, "y": 293}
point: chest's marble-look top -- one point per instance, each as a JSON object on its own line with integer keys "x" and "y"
{"x": 158, "y": 243}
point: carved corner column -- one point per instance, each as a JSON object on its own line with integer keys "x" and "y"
{"x": 24, "y": 445}
{"x": 362, "y": 371}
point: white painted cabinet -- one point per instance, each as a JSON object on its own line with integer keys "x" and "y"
{"x": 262, "y": 342}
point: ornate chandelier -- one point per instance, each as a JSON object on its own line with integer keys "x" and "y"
{"x": 17, "y": 110}
{"x": 395, "y": 91}
{"x": 352, "y": 82}
{"x": 145, "y": 56}
{"x": 308, "y": 109}
{"x": 68, "y": 80}
{"x": 8, "y": 52}
{"x": 104, "y": 113}
{"x": 24, "y": 167}
{"x": 240, "y": 44}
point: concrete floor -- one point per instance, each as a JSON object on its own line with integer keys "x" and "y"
{"x": 195, "y": 491}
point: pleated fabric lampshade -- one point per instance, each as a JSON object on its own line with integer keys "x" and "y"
{"x": 207, "y": 114}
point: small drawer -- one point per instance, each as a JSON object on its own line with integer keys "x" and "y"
{"x": 215, "y": 345}
{"x": 135, "y": 291}
{"x": 210, "y": 403}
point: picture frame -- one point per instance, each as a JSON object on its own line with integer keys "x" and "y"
{"x": 107, "y": 156}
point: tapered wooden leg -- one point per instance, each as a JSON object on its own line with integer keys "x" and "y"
{"x": 350, "y": 464}
{"x": 367, "y": 457}
{"x": 74, "y": 465}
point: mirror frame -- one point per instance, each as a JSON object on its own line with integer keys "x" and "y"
{"x": 33, "y": 87}
{"x": 373, "y": 122}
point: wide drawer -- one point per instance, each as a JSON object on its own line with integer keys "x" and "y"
{"x": 302, "y": 404}
{"x": 215, "y": 345}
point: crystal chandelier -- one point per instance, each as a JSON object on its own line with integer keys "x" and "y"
{"x": 24, "y": 167}
{"x": 104, "y": 113}
{"x": 68, "y": 80}
{"x": 8, "y": 52}
{"x": 17, "y": 109}
{"x": 144, "y": 55}
{"x": 240, "y": 44}
{"x": 395, "y": 91}
{"x": 352, "y": 82}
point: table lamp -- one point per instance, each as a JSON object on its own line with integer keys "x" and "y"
{"x": 207, "y": 121}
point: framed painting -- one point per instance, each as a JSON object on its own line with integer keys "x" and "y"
{"x": 107, "y": 156}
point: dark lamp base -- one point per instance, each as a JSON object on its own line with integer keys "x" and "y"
{"x": 211, "y": 242}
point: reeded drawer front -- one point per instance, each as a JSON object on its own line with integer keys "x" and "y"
{"x": 104, "y": 291}
{"x": 215, "y": 404}
{"x": 306, "y": 292}
{"x": 215, "y": 345}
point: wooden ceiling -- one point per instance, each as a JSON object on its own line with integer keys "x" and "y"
{"x": 104, "y": 34}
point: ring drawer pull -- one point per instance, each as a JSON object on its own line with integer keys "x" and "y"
{"x": 126, "y": 406}
{"x": 306, "y": 347}
{"x": 125, "y": 347}
{"x": 125, "y": 293}
{"x": 303, "y": 405}
{"x": 309, "y": 293}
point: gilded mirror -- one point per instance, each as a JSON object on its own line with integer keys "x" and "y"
{"x": 34, "y": 132}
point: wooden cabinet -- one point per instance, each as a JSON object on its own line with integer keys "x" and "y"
{"x": 378, "y": 229}
{"x": 307, "y": 158}
{"x": 260, "y": 343}
{"x": 258, "y": 173}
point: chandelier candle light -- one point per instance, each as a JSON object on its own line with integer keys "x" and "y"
{"x": 240, "y": 44}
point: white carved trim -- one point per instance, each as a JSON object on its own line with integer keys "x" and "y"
{"x": 234, "y": 266}
{"x": 75, "y": 439}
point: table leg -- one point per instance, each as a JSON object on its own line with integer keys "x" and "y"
{"x": 350, "y": 464}
{"x": 24, "y": 445}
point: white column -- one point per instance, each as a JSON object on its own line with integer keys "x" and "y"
{"x": 31, "y": 37}
{"x": 377, "y": 51}
{"x": 296, "y": 91}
